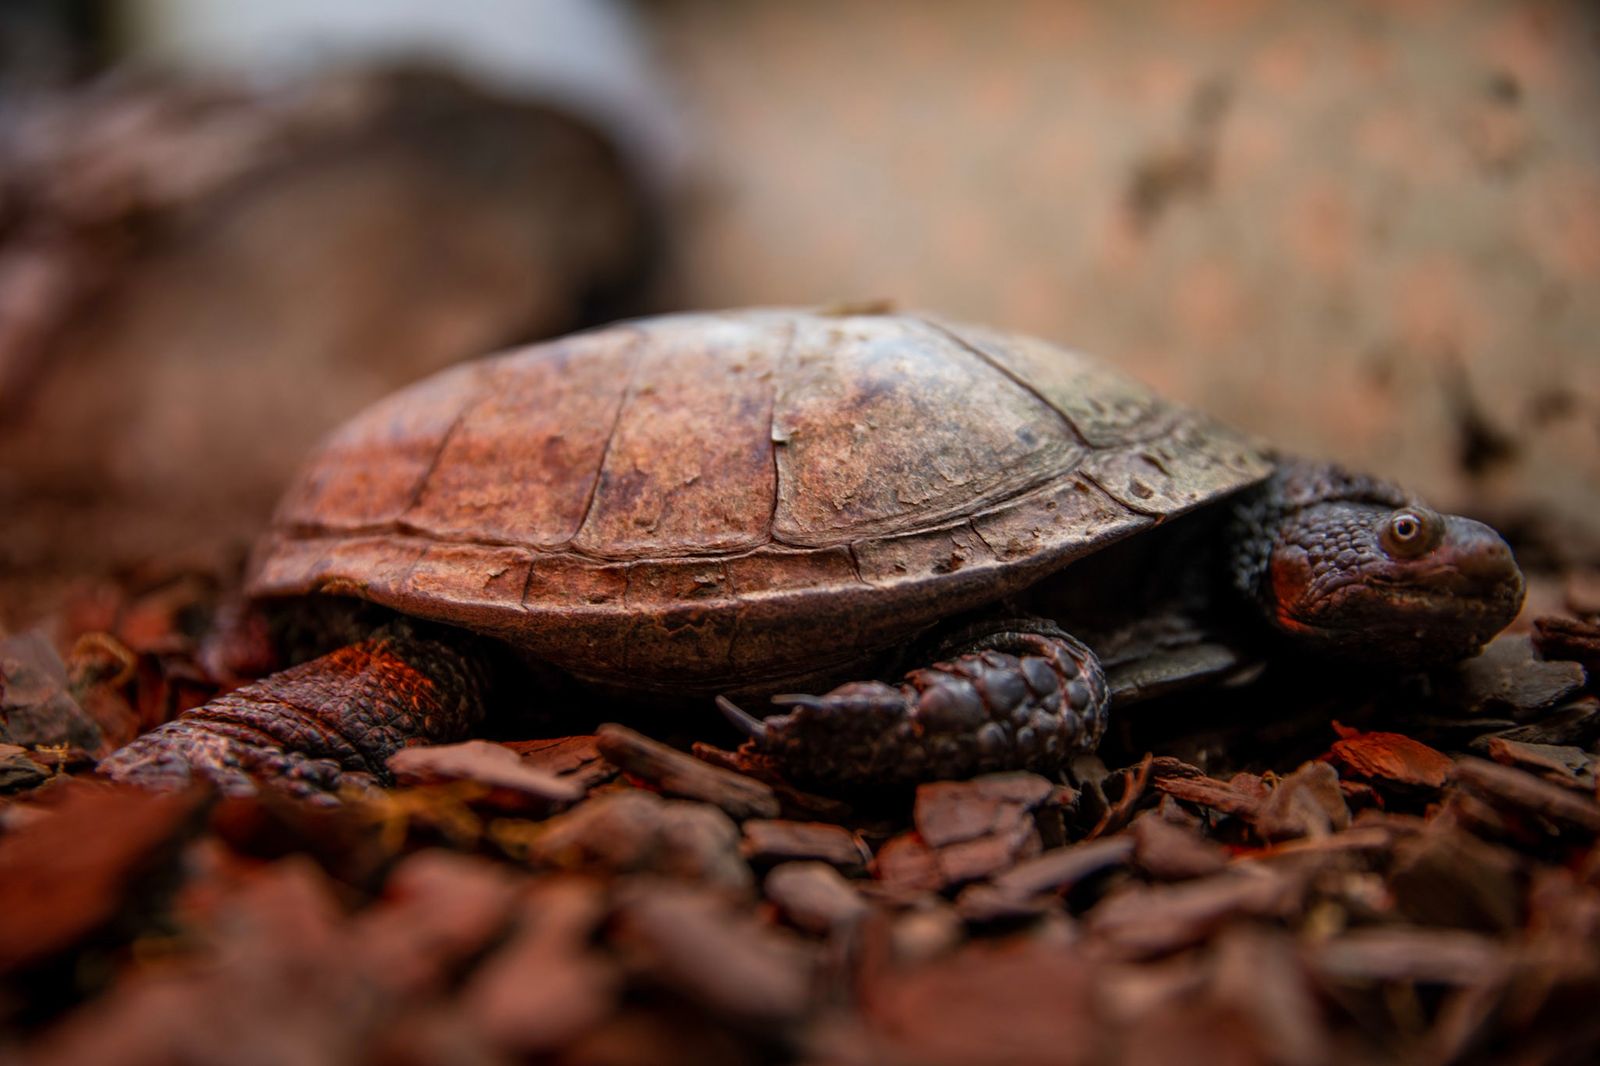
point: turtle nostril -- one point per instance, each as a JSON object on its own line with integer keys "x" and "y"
{"x": 1479, "y": 553}
{"x": 1488, "y": 561}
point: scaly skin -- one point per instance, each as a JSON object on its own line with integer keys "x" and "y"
{"x": 1028, "y": 700}
{"x": 304, "y": 728}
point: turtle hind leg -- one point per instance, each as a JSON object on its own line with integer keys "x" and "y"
{"x": 304, "y": 728}
{"x": 1018, "y": 700}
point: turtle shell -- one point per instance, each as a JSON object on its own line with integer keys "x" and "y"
{"x": 723, "y": 501}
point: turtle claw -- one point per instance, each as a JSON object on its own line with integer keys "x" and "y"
{"x": 802, "y": 700}
{"x": 746, "y": 723}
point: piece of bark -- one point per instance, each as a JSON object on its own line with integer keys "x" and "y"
{"x": 1169, "y": 853}
{"x": 1391, "y": 758}
{"x": 1219, "y": 796}
{"x": 677, "y": 774}
{"x": 1561, "y": 764}
{"x": 689, "y": 941}
{"x": 905, "y": 864}
{"x": 36, "y": 708}
{"x": 1258, "y": 974}
{"x": 771, "y": 841}
{"x": 279, "y": 979}
{"x": 982, "y": 904}
{"x": 18, "y": 770}
{"x": 814, "y": 897}
{"x": 1567, "y": 638}
{"x": 1482, "y": 818}
{"x": 987, "y": 855}
{"x": 1140, "y": 921}
{"x": 1134, "y": 780}
{"x": 511, "y": 783}
{"x": 796, "y": 803}
{"x": 1366, "y": 838}
{"x": 1359, "y": 796}
{"x": 545, "y": 986}
{"x": 576, "y": 758}
{"x": 1306, "y": 803}
{"x": 1436, "y": 956}
{"x": 1056, "y": 816}
{"x": 1060, "y": 869}
{"x": 103, "y": 667}
{"x": 1577, "y": 723}
{"x": 948, "y": 812}
{"x": 270, "y": 825}
{"x": 439, "y": 909}
{"x": 94, "y": 867}
{"x": 1508, "y": 678}
{"x": 1446, "y": 877}
{"x": 1164, "y": 767}
{"x": 1022, "y": 1004}
{"x": 639, "y": 832}
{"x": 1505, "y": 786}
{"x": 980, "y": 827}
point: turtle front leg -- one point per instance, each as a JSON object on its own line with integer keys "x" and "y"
{"x": 303, "y": 728}
{"x": 1020, "y": 700}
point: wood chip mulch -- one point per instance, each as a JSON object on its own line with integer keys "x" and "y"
{"x": 1414, "y": 879}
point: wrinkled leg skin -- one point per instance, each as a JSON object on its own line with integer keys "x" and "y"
{"x": 304, "y": 728}
{"x": 1024, "y": 701}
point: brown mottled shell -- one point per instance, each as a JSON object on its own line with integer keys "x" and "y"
{"x": 720, "y": 501}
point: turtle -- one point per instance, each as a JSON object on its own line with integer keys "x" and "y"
{"x": 764, "y": 504}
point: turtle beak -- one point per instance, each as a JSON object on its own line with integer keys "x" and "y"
{"x": 1483, "y": 559}
{"x": 1478, "y": 572}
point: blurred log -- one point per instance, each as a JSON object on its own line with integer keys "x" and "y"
{"x": 196, "y": 283}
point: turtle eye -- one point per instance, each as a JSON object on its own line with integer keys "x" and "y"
{"x": 1409, "y": 532}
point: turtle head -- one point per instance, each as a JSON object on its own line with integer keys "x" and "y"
{"x": 1375, "y": 576}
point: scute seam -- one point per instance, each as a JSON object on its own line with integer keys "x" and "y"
{"x": 772, "y": 424}
{"x": 998, "y": 367}
{"x": 611, "y": 435}
{"x": 433, "y": 461}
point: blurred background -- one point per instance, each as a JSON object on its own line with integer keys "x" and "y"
{"x": 1366, "y": 230}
